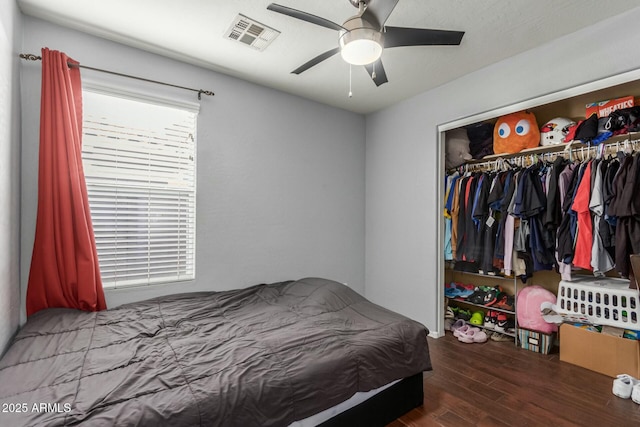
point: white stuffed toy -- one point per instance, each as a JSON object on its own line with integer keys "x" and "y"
{"x": 456, "y": 148}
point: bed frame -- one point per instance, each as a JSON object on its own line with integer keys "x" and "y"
{"x": 384, "y": 407}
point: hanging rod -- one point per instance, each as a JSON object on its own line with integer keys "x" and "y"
{"x": 32, "y": 57}
{"x": 523, "y": 158}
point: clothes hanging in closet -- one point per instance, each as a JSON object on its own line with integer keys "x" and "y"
{"x": 561, "y": 214}
{"x": 625, "y": 207}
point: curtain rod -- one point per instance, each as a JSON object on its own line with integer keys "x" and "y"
{"x": 32, "y": 57}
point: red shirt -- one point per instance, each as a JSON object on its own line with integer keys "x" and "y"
{"x": 584, "y": 241}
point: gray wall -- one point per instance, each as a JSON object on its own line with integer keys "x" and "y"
{"x": 280, "y": 179}
{"x": 402, "y": 157}
{"x": 10, "y": 22}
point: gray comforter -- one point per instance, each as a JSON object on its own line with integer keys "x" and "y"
{"x": 263, "y": 356}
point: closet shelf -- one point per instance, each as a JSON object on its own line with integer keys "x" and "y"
{"x": 484, "y": 307}
{"x": 512, "y": 335}
{"x": 492, "y": 276}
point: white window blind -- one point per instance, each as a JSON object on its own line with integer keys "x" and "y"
{"x": 139, "y": 165}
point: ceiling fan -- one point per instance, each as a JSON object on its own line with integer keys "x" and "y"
{"x": 363, "y": 36}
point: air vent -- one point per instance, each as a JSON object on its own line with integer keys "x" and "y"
{"x": 252, "y": 33}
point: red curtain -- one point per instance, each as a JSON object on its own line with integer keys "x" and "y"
{"x": 64, "y": 265}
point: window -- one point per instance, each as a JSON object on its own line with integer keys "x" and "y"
{"x": 139, "y": 165}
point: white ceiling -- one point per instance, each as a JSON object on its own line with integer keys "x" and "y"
{"x": 192, "y": 31}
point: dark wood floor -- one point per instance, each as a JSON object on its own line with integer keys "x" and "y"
{"x": 497, "y": 384}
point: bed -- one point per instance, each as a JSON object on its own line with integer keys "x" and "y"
{"x": 267, "y": 355}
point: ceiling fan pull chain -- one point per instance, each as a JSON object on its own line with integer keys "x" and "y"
{"x": 350, "y": 93}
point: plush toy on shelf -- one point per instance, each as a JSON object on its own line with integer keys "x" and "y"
{"x": 515, "y": 132}
{"x": 456, "y": 148}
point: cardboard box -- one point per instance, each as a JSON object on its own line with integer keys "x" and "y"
{"x": 598, "y": 352}
{"x": 535, "y": 341}
{"x": 604, "y": 108}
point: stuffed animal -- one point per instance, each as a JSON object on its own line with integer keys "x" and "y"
{"x": 529, "y": 314}
{"x": 456, "y": 148}
{"x": 515, "y": 132}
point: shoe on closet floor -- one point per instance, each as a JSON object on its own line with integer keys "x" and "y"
{"x": 457, "y": 325}
{"x": 625, "y": 385}
{"x": 472, "y": 335}
{"x": 468, "y": 333}
{"x": 448, "y": 323}
{"x": 462, "y": 330}
{"x": 498, "y": 337}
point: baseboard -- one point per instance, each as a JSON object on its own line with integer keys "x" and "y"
{"x": 435, "y": 334}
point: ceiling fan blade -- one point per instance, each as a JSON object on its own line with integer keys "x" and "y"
{"x": 399, "y": 36}
{"x": 381, "y": 76}
{"x": 315, "y": 61}
{"x": 304, "y": 16}
{"x": 378, "y": 11}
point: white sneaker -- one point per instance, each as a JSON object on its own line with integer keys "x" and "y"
{"x": 625, "y": 385}
{"x": 635, "y": 394}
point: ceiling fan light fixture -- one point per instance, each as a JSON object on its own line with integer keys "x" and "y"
{"x": 361, "y": 46}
